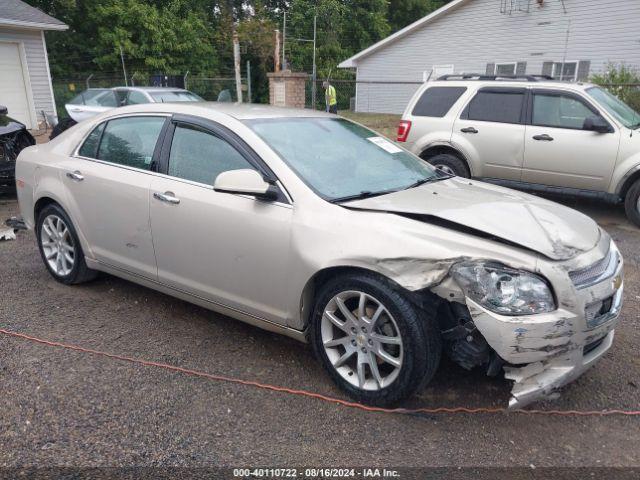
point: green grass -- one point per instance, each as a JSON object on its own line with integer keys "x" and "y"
{"x": 385, "y": 123}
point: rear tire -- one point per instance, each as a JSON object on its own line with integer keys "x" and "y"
{"x": 64, "y": 124}
{"x": 632, "y": 203}
{"x": 451, "y": 164}
{"x": 376, "y": 359}
{"x": 60, "y": 248}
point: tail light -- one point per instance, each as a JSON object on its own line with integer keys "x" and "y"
{"x": 403, "y": 130}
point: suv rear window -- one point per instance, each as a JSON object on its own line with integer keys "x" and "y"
{"x": 496, "y": 106}
{"x": 436, "y": 101}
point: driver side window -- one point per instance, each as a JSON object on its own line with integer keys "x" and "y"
{"x": 560, "y": 111}
{"x": 200, "y": 156}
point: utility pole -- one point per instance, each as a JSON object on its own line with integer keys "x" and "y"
{"x": 276, "y": 53}
{"x": 249, "y": 81}
{"x": 124, "y": 70}
{"x": 284, "y": 39}
{"x": 314, "y": 85}
{"x": 236, "y": 63}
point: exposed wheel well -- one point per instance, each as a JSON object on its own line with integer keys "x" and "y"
{"x": 629, "y": 183}
{"x": 40, "y": 204}
{"x": 439, "y": 149}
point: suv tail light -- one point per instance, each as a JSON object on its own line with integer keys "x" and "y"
{"x": 403, "y": 130}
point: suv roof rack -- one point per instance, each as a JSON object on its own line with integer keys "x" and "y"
{"x": 482, "y": 76}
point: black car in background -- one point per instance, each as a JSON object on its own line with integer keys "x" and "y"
{"x": 14, "y": 137}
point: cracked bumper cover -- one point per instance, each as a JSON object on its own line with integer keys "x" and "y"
{"x": 548, "y": 351}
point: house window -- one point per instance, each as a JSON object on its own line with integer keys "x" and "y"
{"x": 505, "y": 69}
{"x": 567, "y": 71}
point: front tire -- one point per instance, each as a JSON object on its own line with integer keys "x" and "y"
{"x": 60, "y": 248}
{"x": 632, "y": 203}
{"x": 376, "y": 345}
{"x": 450, "y": 164}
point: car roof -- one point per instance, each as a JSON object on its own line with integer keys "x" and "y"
{"x": 152, "y": 89}
{"x": 240, "y": 111}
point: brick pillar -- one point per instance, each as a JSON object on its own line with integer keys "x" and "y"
{"x": 287, "y": 89}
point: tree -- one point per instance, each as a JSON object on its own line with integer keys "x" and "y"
{"x": 405, "y": 12}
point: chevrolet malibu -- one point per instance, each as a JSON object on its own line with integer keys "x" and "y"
{"x": 315, "y": 227}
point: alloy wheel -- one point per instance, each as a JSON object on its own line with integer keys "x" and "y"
{"x": 57, "y": 245}
{"x": 361, "y": 340}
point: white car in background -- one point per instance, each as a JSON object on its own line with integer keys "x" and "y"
{"x": 93, "y": 101}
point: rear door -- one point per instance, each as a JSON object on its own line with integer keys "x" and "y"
{"x": 92, "y": 106}
{"x": 108, "y": 191}
{"x": 491, "y": 130}
{"x": 227, "y": 248}
{"x": 558, "y": 151}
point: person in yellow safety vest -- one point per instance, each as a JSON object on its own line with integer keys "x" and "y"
{"x": 330, "y": 97}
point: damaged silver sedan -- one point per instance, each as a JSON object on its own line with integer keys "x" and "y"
{"x": 315, "y": 227}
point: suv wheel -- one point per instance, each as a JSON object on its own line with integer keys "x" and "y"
{"x": 377, "y": 346}
{"x": 60, "y": 248}
{"x": 451, "y": 164}
{"x": 632, "y": 203}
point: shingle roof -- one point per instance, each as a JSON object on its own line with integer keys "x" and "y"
{"x": 18, "y": 14}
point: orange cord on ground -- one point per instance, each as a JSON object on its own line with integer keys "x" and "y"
{"x": 304, "y": 393}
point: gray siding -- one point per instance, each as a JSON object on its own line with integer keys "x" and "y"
{"x": 476, "y": 33}
{"x": 37, "y": 66}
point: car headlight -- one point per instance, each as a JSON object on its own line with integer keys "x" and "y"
{"x": 504, "y": 290}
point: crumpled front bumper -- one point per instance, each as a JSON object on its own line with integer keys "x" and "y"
{"x": 553, "y": 349}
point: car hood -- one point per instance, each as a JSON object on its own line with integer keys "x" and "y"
{"x": 9, "y": 125}
{"x": 486, "y": 210}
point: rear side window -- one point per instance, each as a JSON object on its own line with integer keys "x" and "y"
{"x": 90, "y": 146}
{"x": 130, "y": 141}
{"x": 496, "y": 106}
{"x": 437, "y": 101}
{"x": 199, "y": 156}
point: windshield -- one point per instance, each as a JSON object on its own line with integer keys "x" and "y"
{"x": 616, "y": 107}
{"x": 339, "y": 159}
{"x": 175, "y": 96}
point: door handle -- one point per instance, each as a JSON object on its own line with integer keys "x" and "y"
{"x": 468, "y": 130}
{"x": 544, "y": 138}
{"x": 167, "y": 197}
{"x": 76, "y": 109}
{"x": 77, "y": 176}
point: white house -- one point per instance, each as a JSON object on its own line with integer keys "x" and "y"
{"x": 498, "y": 37}
{"x": 25, "y": 80}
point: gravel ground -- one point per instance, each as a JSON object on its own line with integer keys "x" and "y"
{"x": 69, "y": 408}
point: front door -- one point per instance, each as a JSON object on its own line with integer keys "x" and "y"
{"x": 108, "y": 186}
{"x": 491, "y": 130}
{"x": 557, "y": 149}
{"x": 226, "y": 248}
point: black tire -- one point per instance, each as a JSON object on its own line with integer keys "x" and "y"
{"x": 632, "y": 203}
{"x": 421, "y": 341}
{"x": 450, "y": 163}
{"x": 79, "y": 273}
{"x": 64, "y": 124}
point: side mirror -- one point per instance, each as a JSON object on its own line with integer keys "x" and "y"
{"x": 3, "y": 110}
{"x": 596, "y": 124}
{"x": 247, "y": 182}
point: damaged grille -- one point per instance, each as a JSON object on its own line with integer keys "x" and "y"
{"x": 597, "y": 272}
{"x": 596, "y": 313}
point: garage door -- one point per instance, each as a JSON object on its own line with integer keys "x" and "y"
{"x": 13, "y": 92}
